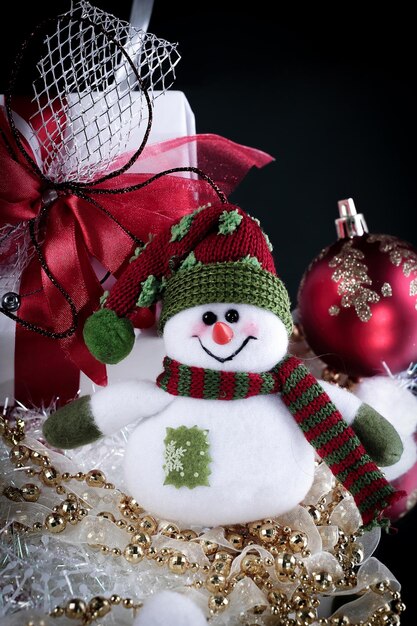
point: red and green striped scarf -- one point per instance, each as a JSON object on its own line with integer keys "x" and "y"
{"x": 317, "y": 416}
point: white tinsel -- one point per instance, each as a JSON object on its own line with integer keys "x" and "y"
{"x": 407, "y": 379}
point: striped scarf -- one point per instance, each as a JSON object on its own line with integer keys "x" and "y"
{"x": 317, "y": 416}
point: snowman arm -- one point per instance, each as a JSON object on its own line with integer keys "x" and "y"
{"x": 379, "y": 437}
{"x": 103, "y": 413}
{"x": 347, "y": 403}
{"x": 127, "y": 401}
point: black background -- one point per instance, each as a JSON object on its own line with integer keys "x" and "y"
{"x": 331, "y": 93}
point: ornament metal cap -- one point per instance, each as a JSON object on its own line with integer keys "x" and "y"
{"x": 350, "y": 223}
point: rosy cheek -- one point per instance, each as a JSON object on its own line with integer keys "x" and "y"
{"x": 250, "y": 328}
{"x": 199, "y": 329}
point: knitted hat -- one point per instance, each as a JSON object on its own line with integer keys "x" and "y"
{"x": 216, "y": 254}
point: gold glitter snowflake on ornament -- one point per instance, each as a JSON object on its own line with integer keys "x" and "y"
{"x": 351, "y": 274}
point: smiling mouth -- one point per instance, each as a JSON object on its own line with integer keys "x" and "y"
{"x": 226, "y": 358}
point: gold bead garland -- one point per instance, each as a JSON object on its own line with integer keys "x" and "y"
{"x": 286, "y": 548}
{"x": 97, "y": 607}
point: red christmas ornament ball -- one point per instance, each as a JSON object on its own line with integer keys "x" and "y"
{"x": 357, "y": 305}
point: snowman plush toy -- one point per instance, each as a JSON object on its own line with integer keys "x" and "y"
{"x": 228, "y": 432}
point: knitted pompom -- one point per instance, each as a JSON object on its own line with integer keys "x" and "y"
{"x": 108, "y": 337}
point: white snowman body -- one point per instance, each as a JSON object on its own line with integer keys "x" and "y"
{"x": 260, "y": 464}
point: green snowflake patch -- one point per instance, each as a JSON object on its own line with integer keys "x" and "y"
{"x": 179, "y": 230}
{"x": 229, "y": 221}
{"x": 186, "y": 457}
{"x": 189, "y": 262}
{"x": 251, "y": 260}
{"x": 137, "y": 252}
{"x": 104, "y": 298}
{"x": 268, "y": 241}
{"x": 150, "y": 291}
{"x": 139, "y": 249}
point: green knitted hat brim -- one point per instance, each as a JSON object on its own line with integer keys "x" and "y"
{"x": 238, "y": 283}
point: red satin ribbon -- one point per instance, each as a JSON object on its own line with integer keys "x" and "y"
{"x": 74, "y": 231}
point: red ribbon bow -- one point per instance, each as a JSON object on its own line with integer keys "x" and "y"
{"x": 73, "y": 231}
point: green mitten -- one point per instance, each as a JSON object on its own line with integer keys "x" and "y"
{"x": 379, "y": 437}
{"x": 72, "y": 426}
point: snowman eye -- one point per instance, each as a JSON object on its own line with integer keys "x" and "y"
{"x": 209, "y": 318}
{"x": 232, "y": 316}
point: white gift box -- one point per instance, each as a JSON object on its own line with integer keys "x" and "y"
{"x": 173, "y": 117}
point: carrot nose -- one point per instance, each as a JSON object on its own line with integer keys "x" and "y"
{"x": 222, "y": 333}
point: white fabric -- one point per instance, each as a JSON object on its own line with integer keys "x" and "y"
{"x": 168, "y": 608}
{"x": 259, "y": 355}
{"x": 122, "y": 403}
{"x": 398, "y": 405}
{"x": 262, "y": 465}
{"x": 347, "y": 403}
